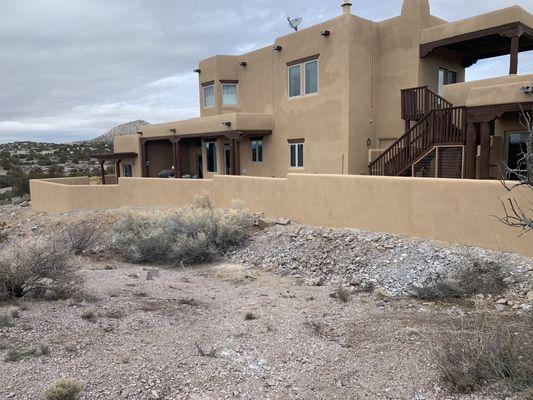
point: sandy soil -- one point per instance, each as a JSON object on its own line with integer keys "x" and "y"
{"x": 143, "y": 341}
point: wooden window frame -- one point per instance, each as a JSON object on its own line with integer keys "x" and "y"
{"x": 296, "y": 159}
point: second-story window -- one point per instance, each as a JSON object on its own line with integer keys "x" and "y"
{"x": 229, "y": 94}
{"x": 303, "y": 77}
{"x": 209, "y": 96}
{"x": 295, "y": 86}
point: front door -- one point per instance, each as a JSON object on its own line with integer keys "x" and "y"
{"x": 227, "y": 162}
{"x": 516, "y": 149}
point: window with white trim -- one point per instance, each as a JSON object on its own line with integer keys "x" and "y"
{"x": 209, "y": 96}
{"x": 303, "y": 78}
{"x": 296, "y": 155}
{"x": 229, "y": 94}
{"x": 257, "y": 150}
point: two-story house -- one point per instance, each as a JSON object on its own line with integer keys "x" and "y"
{"x": 351, "y": 96}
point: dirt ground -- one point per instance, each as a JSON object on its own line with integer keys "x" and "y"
{"x": 143, "y": 340}
{"x": 223, "y": 331}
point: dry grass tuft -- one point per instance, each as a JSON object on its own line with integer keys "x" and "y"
{"x": 84, "y": 236}
{"x": 250, "y": 316}
{"x": 210, "y": 352}
{"x": 65, "y": 389}
{"x": 17, "y": 354}
{"x": 482, "y": 352}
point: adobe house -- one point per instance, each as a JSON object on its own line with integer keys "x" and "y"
{"x": 351, "y": 96}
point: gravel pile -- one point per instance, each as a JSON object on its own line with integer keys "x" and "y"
{"x": 364, "y": 259}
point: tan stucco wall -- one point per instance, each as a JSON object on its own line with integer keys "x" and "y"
{"x": 456, "y": 211}
{"x": 501, "y": 90}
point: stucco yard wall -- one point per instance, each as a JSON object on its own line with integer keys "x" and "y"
{"x": 455, "y": 211}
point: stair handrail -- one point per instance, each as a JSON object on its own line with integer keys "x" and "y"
{"x": 402, "y": 138}
{"x": 423, "y": 97}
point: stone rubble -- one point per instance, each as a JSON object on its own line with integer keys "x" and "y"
{"x": 364, "y": 260}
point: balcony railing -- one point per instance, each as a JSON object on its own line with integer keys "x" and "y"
{"x": 417, "y": 102}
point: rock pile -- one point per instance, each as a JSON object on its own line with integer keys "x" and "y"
{"x": 365, "y": 260}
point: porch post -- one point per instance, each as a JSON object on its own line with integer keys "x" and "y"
{"x": 102, "y": 171}
{"x": 117, "y": 169}
{"x": 232, "y": 156}
{"x": 515, "y": 45}
{"x": 144, "y": 167}
{"x": 177, "y": 157}
{"x": 237, "y": 157}
{"x": 484, "y": 159}
{"x": 470, "y": 151}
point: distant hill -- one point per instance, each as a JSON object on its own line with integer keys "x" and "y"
{"x": 130, "y": 128}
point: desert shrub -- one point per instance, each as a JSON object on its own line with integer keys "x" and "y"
{"x": 38, "y": 267}
{"x": 83, "y": 236}
{"x": 6, "y": 321}
{"x": 196, "y": 249}
{"x": 3, "y": 232}
{"x": 142, "y": 239}
{"x": 480, "y": 353}
{"x": 318, "y": 327}
{"x": 250, "y": 316}
{"x": 192, "y": 235}
{"x": 206, "y": 352}
{"x": 88, "y": 315}
{"x": 475, "y": 276}
{"x": 17, "y": 354}
{"x": 65, "y": 389}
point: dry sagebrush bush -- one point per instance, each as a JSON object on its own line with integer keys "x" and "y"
{"x": 84, "y": 235}
{"x": 189, "y": 236}
{"x": 482, "y": 352}
{"x": 65, "y": 389}
{"x": 38, "y": 267}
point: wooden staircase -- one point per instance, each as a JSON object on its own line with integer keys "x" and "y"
{"x": 437, "y": 123}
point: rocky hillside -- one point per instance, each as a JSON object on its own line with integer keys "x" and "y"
{"x": 129, "y": 128}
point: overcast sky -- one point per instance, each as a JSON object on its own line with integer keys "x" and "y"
{"x": 72, "y": 69}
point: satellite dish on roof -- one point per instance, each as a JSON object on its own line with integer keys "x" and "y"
{"x": 295, "y": 22}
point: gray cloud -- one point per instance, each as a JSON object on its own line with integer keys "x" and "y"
{"x": 72, "y": 69}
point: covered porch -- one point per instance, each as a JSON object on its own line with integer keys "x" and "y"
{"x": 200, "y": 147}
{"x": 503, "y": 32}
{"x": 117, "y": 159}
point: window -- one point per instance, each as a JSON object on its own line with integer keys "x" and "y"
{"x": 128, "y": 170}
{"x": 516, "y": 151}
{"x": 446, "y": 77}
{"x": 297, "y": 155}
{"x": 257, "y": 150}
{"x": 311, "y": 77}
{"x": 211, "y": 153}
{"x": 306, "y": 84}
{"x": 229, "y": 94}
{"x": 294, "y": 81}
{"x": 209, "y": 96}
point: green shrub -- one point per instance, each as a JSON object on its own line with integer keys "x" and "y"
{"x": 192, "y": 235}
{"x": 65, "y": 389}
{"x": 6, "y": 321}
{"x": 40, "y": 267}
